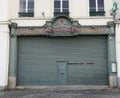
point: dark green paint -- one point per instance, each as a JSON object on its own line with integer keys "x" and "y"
{"x": 13, "y": 53}
{"x": 26, "y": 14}
{"x": 61, "y": 13}
{"x": 84, "y": 61}
{"x": 62, "y": 72}
{"x": 97, "y": 13}
{"x": 46, "y": 69}
{"x": 60, "y": 22}
{"x": 111, "y": 49}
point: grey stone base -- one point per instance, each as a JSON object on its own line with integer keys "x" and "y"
{"x": 113, "y": 81}
{"x": 11, "y": 82}
{"x": 119, "y": 82}
{"x": 3, "y": 88}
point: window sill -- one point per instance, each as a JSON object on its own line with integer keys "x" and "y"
{"x": 26, "y": 14}
{"x": 97, "y": 13}
{"x": 61, "y": 13}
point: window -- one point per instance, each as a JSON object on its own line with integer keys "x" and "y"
{"x": 61, "y": 7}
{"x": 97, "y": 8}
{"x": 26, "y": 8}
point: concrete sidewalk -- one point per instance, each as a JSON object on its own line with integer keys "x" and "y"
{"x": 61, "y": 93}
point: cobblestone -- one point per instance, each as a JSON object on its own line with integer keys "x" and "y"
{"x": 56, "y": 93}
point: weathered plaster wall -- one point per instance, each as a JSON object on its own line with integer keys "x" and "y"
{"x": 4, "y": 44}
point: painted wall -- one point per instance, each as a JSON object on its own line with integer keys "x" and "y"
{"x": 3, "y": 10}
{"x": 4, "y": 44}
{"x": 78, "y": 8}
{"x": 118, "y": 50}
{"x": 82, "y": 21}
{"x": 118, "y": 40}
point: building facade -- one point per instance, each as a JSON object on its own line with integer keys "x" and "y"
{"x": 118, "y": 48}
{"x": 117, "y": 30}
{"x": 4, "y": 44}
{"x": 61, "y": 42}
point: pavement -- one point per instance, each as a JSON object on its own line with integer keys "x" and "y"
{"x": 61, "y": 93}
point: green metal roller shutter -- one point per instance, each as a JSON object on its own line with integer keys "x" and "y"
{"x": 62, "y": 61}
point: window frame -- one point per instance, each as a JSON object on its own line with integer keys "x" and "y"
{"x": 96, "y": 11}
{"x": 25, "y": 11}
{"x": 62, "y": 9}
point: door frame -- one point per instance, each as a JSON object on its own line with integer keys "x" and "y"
{"x": 110, "y": 32}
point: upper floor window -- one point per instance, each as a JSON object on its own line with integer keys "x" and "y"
{"x": 97, "y": 8}
{"x": 26, "y": 8}
{"x": 61, "y": 7}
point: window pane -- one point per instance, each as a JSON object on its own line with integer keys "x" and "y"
{"x": 92, "y": 5}
{"x": 65, "y": 4}
{"x": 100, "y": 5}
{"x": 31, "y": 6}
{"x": 65, "y": 10}
{"x": 57, "y": 6}
{"x": 57, "y": 10}
{"x": 22, "y": 5}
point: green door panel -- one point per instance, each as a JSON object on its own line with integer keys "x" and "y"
{"x": 84, "y": 61}
{"x": 62, "y": 70}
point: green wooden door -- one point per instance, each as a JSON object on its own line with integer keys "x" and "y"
{"x": 84, "y": 61}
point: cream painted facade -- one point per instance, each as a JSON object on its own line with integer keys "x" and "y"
{"x": 4, "y": 44}
{"x": 118, "y": 49}
{"x": 4, "y": 56}
{"x": 79, "y": 10}
{"x": 117, "y": 30}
